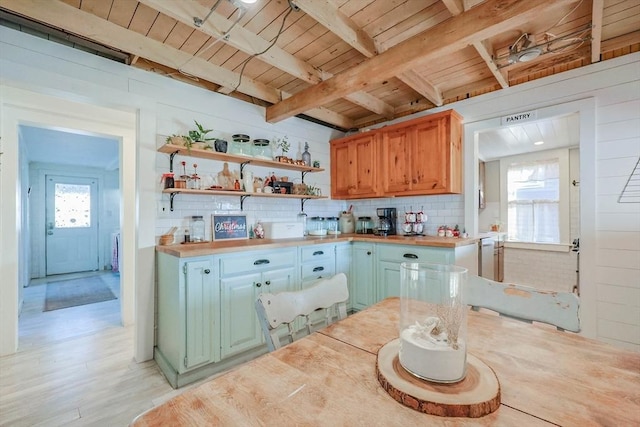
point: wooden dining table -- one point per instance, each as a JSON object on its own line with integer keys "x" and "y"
{"x": 547, "y": 377}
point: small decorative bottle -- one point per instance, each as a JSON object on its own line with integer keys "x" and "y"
{"x": 306, "y": 156}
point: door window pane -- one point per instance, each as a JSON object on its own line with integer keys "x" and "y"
{"x": 72, "y": 205}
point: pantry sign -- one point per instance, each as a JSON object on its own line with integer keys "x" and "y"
{"x": 523, "y": 116}
{"x": 229, "y": 227}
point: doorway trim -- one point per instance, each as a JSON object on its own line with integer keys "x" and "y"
{"x": 587, "y": 113}
{"x": 30, "y": 108}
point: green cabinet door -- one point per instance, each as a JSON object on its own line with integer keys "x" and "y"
{"x": 278, "y": 280}
{"x": 362, "y": 284}
{"x": 388, "y": 275}
{"x": 343, "y": 265}
{"x": 199, "y": 291}
{"x": 390, "y": 257}
{"x": 239, "y": 321}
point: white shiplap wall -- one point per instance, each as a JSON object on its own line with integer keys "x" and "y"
{"x": 618, "y": 224}
{"x": 45, "y": 67}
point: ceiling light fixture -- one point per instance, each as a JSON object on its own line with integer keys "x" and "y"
{"x": 524, "y": 49}
{"x": 538, "y": 143}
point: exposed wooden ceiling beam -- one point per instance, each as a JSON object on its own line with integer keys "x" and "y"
{"x": 483, "y": 47}
{"x": 240, "y": 38}
{"x": 62, "y": 15}
{"x": 332, "y": 18}
{"x": 252, "y": 44}
{"x": 456, "y": 7}
{"x": 485, "y": 52}
{"x": 596, "y": 29}
{"x": 479, "y": 23}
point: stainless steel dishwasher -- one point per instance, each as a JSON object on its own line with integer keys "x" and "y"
{"x": 486, "y": 258}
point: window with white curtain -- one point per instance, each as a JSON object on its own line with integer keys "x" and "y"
{"x": 535, "y": 197}
{"x": 533, "y": 201}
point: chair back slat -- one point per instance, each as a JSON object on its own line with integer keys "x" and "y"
{"x": 285, "y": 307}
{"x": 560, "y": 309}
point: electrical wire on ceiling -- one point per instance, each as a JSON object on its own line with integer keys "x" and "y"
{"x": 292, "y": 7}
{"x": 198, "y": 22}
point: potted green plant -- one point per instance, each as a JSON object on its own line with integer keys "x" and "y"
{"x": 283, "y": 144}
{"x": 199, "y": 136}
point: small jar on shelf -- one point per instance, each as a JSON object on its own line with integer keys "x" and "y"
{"x": 262, "y": 149}
{"x": 241, "y": 145}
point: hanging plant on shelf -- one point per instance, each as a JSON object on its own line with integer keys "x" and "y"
{"x": 180, "y": 140}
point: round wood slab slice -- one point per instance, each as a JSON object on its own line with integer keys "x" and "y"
{"x": 478, "y": 394}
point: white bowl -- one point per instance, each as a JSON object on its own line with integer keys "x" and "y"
{"x": 322, "y": 232}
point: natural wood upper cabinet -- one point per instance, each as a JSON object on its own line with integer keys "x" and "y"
{"x": 418, "y": 157}
{"x": 354, "y": 167}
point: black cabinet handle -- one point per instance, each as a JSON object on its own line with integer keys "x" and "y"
{"x": 207, "y": 271}
{"x": 258, "y": 284}
{"x": 268, "y": 282}
{"x": 318, "y": 253}
{"x": 412, "y": 256}
{"x": 261, "y": 261}
{"x": 318, "y": 269}
{"x": 368, "y": 252}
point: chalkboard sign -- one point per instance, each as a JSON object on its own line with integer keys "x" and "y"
{"x": 229, "y": 227}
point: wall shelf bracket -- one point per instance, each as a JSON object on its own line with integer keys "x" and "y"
{"x": 242, "y": 165}
{"x": 242, "y": 200}
{"x": 171, "y": 156}
{"x": 171, "y": 196}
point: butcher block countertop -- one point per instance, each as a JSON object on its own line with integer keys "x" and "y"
{"x": 213, "y": 248}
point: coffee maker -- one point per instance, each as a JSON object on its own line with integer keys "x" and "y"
{"x": 387, "y": 219}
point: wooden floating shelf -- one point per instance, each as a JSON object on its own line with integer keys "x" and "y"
{"x": 224, "y": 157}
{"x": 233, "y": 193}
{"x": 238, "y": 193}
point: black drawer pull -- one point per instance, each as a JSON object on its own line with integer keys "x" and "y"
{"x": 268, "y": 282}
{"x": 207, "y": 271}
{"x": 318, "y": 269}
{"x": 318, "y": 253}
{"x": 258, "y": 284}
{"x": 412, "y": 256}
{"x": 368, "y": 252}
{"x": 261, "y": 261}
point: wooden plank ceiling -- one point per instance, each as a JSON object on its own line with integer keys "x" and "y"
{"x": 349, "y": 63}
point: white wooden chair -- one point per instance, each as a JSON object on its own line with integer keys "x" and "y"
{"x": 560, "y": 309}
{"x": 285, "y": 307}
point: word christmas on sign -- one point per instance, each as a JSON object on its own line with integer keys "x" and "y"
{"x": 228, "y": 227}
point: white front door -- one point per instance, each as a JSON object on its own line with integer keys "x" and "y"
{"x": 71, "y": 224}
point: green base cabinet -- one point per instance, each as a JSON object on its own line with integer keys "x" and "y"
{"x": 187, "y": 316}
{"x": 242, "y": 278}
{"x": 362, "y": 284}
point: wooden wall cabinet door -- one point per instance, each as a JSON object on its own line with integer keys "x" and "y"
{"x": 424, "y": 157}
{"x": 353, "y": 167}
{"x": 396, "y": 165}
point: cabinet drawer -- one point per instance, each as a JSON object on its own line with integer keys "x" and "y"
{"x": 317, "y": 270}
{"x": 400, "y": 253}
{"x": 257, "y": 261}
{"x": 316, "y": 252}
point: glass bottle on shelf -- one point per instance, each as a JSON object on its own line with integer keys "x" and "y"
{"x": 306, "y": 156}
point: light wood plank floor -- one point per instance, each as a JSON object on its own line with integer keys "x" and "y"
{"x": 75, "y": 367}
